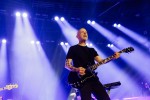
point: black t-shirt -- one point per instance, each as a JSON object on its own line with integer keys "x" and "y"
{"x": 82, "y": 56}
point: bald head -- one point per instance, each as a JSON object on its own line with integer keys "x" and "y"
{"x": 82, "y": 34}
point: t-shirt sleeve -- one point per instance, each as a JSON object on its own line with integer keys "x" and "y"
{"x": 94, "y": 52}
{"x": 70, "y": 53}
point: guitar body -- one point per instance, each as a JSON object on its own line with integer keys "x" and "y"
{"x": 77, "y": 81}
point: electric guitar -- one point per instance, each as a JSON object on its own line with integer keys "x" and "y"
{"x": 77, "y": 81}
{"x": 9, "y": 87}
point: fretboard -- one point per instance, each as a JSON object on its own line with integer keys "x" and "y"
{"x": 93, "y": 67}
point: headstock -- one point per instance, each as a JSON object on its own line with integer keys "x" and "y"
{"x": 127, "y": 50}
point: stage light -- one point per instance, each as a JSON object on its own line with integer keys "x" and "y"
{"x": 111, "y": 45}
{"x": 118, "y": 25}
{"x": 89, "y": 22}
{"x": 61, "y": 43}
{"x": 32, "y": 42}
{"x": 87, "y": 44}
{"x": 93, "y": 22}
{"x": 62, "y": 18}
{"x": 4, "y": 41}
{"x": 66, "y": 44}
{"x": 24, "y": 14}
{"x": 108, "y": 45}
{"x": 56, "y": 18}
{"x": 115, "y": 25}
{"x": 91, "y": 44}
{"x": 37, "y": 42}
{"x": 18, "y": 14}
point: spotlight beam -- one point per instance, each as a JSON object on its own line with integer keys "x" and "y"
{"x": 3, "y": 64}
{"x": 140, "y": 39}
{"x": 30, "y": 66}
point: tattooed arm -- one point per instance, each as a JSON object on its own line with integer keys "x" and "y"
{"x": 69, "y": 66}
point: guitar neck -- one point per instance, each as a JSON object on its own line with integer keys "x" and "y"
{"x": 93, "y": 67}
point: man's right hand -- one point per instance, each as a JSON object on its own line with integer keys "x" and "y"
{"x": 81, "y": 71}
